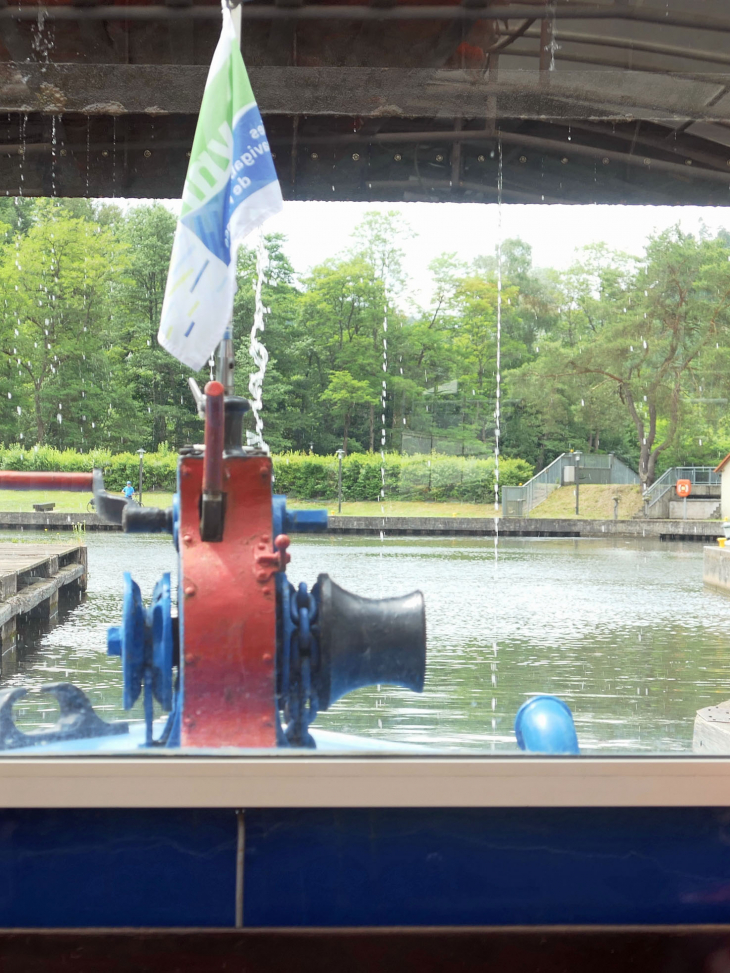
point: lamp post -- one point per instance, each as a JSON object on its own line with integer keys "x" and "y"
{"x": 140, "y": 453}
{"x": 340, "y": 454}
{"x": 577, "y": 483}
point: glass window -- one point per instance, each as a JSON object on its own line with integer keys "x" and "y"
{"x": 486, "y": 339}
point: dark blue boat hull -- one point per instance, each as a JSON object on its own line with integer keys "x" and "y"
{"x": 363, "y": 868}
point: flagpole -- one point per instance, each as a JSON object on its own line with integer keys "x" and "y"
{"x": 225, "y": 361}
{"x": 225, "y": 353}
{"x": 235, "y": 9}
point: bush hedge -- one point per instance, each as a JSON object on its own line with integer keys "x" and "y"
{"x": 159, "y": 468}
{"x": 364, "y": 475}
{"x": 302, "y": 476}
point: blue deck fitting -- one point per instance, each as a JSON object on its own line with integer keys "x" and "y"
{"x": 296, "y": 521}
{"x": 544, "y": 724}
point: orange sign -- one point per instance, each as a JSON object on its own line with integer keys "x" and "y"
{"x": 684, "y": 488}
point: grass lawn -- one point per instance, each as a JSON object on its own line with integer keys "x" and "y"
{"x": 23, "y": 500}
{"x": 66, "y": 503}
{"x": 398, "y": 508}
{"x": 596, "y": 502}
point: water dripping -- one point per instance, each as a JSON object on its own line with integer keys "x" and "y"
{"x": 497, "y": 416}
{"x": 383, "y": 398}
{"x": 54, "y": 159}
{"x": 554, "y": 46}
{"x": 88, "y": 150}
{"x": 23, "y": 136}
{"x": 257, "y": 349}
{"x": 114, "y": 156}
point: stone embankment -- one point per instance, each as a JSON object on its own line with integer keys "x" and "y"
{"x": 524, "y": 527}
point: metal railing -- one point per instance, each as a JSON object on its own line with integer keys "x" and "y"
{"x": 697, "y": 475}
{"x": 594, "y": 468}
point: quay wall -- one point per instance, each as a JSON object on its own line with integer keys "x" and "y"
{"x": 23, "y": 520}
{"x": 706, "y": 531}
{"x": 716, "y": 567}
{"x": 524, "y": 527}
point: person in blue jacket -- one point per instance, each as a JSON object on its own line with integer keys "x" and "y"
{"x": 128, "y": 491}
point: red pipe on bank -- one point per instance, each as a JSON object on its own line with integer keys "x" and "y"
{"x": 214, "y": 436}
{"x": 17, "y": 480}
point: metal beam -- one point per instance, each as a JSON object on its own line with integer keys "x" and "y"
{"x": 639, "y": 161}
{"x": 565, "y": 57}
{"x": 426, "y": 185}
{"x": 357, "y": 12}
{"x": 559, "y": 148}
{"x": 631, "y": 44}
{"x": 425, "y": 137}
{"x": 384, "y": 175}
{"x": 687, "y": 147}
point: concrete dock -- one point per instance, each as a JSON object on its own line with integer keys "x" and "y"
{"x": 31, "y": 577}
{"x": 52, "y": 520}
{"x": 712, "y": 730}
{"x": 716, "y": 567}
{"x": 702, "y": 531}
{"x": 666, "y": 530}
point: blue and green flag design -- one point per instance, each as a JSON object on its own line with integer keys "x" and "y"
{"x": 230, "y": 189}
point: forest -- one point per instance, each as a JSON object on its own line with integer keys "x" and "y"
{"x": 623, "y": 353}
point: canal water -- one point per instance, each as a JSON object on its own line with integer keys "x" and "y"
{"x": 624, "y": 631}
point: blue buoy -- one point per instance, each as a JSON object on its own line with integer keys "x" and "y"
{"x": 544, "y": 724}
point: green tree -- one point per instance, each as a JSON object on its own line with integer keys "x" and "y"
{"x": 475, "y": 343}
{"x": 159, "y": 382}
{"x": 57, "y": 330}
{"x": 341, "y": 323}
{"x": 345, "y": 393}
{"x": 646, "y": 324}
{"x": 378, "y": 240}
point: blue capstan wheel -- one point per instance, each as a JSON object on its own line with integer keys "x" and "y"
{"x": 145, "y": 642}
{"x": 160, "y": 614}
{"x": 128, "y": 641}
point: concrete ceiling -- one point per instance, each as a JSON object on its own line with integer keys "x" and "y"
{"x": 617, "y": 101}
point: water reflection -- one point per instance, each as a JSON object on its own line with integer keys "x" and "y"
{"x": 624, "y": 632}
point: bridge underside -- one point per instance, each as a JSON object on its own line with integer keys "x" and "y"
{"x": 604, "y": 111}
